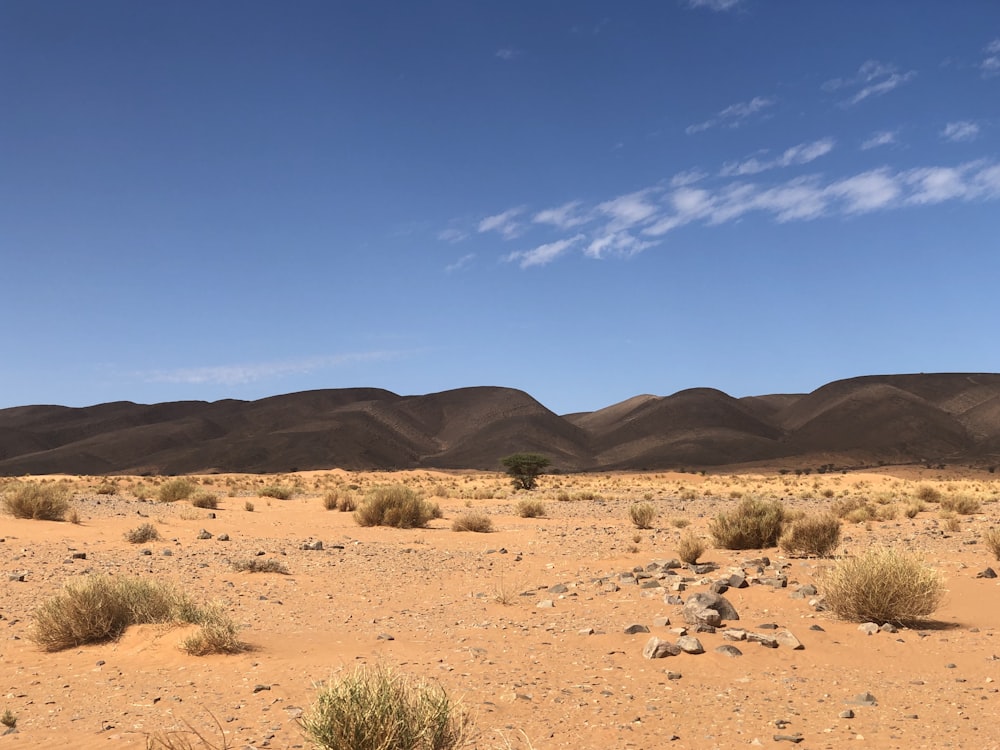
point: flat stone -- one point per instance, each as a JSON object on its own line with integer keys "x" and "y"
{"x": 786, "y": 639}
{"x": 657, "y": 648}
{"x": 727, "y": 650}
{"x": 868, "y": 628}
{"x": 863, "y": 699}
{"x": 690, "y": 645}
{"x": 636, "y": 628}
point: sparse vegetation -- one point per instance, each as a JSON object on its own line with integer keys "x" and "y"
{"x": 642, "y": 515}
{"x": 376, "y": 708}
{"x": 187, "y": 739}
{"x": 207, "y": 500}
{"x": 8, "y": 719}
{"x": 396, "y": 505}
{"x": 813, "y": 536}
{"x": 277, "y": 491}
{"x": 690, "y": 548}
{"x": 248, "y": 506}
{"x": 218, "y": 634}
{"x": 525, "y": 468}
{"x": 755, "y": 523}
{"x": 991, "y": 540}
{"x": 476, "y": 521}
{"x": 175, "y": 489}
{"x": 40, "y": 502}
{"x": 530, "y": 508}
{"x": 141, "y": 534}
{"x": 963, "y": 505}
{"x": 928, "y": 493}
{"x": 679, "y": 522}
{"x": 883, "y": 585}
{"x": 259, "y": 565}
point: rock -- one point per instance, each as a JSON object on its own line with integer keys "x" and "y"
{"x": 708, "y": 609}
{"x": 788, "y": 738}
{"x": 316, "y": 546}
{"x": 737, "y": 581}
{"x": 868, "y": 628}
{"x": 559, "y": 588}
{"x": 549, "y": 604}
{"x": 768, "y": 626}
{"x": 817, "y": 628}
{"x": 718, "y": 587}
{"x": 672, "y": 599}
{"x": 585, "y": 631}
{"x": 863, "y": 699}
{"x": 786, "y": 639}
{"x": 673, "y": 675}
{"x": 79, "y": 556}
{"x": 223, "y": 537}
{"x": 727, "y": 650}
{"x": 848, "y": 714}
{"x": 690, "y": 645}
{"x": 610, "y": 587}
{"x": 636, "y": 628}
{"x": 661, "y": 622}
{"x": 734, "y": 634}
{"x": 656, "y": 648}
{"x": 261, "y": 688}
{"x": 204, "y": 534}
{"x": 384, "y": 637}
{"x": 988, "y": 573}
{"x": 888, "y": 627}
{"x": 767, "y": 641}
{"x": 807, "y": 590}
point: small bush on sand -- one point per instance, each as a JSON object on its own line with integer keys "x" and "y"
{"x": 396, "y": 505}
{"x": 991, "y": 539}
{"x": 340, "y": 500}
{"x": 642, "y": 515}
{"x": 205, "y": 500}
{"x": 811, "y": 536}
{"x": 475, "y": 521}
{"x": 690, "y": 548}
{"x": 175, "y": 489}
{"x": 950, "y": 520}
{"x": 530, "y": 509}
{"x": 188, "y": 739}
{"x": 276, "y": 491}
{"x": 142, "y": 534}
{"x": 882, "y": 585}
{"x": 330, "y": 499}
{"x": 41, "y": 502}
{"x": 248, "y": 506}
{"x": 753, "y": 524}
{"x": 218, "y": 634}
{"x": 854, "y": 510}
{"x": 379, "y": 709}
{"x": 928, "y": 493}
{"x": 964, "y": 505}
{"x": 259, "y": 565}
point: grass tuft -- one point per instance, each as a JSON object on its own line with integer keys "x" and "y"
{"x": 40, "y": 502}
{"x": 278, "y": 492}
{"x": 811, "y": 536}
{"x": 396, "y": 505}
{"x": 690, "y": 548}
{"x": 259, "y": 565}
{"x": 142, "y": 534}
{"x": 175, "y": 489}
{"x": 530, "y": 509}
{"x": 475, "y": 521}
{"x": 205, "y": 500}
{"x": 753, "y": 524}
{"x": 642, "y": 515}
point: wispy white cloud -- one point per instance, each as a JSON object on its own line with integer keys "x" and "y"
{"x": 688, "y": 177}
{"x": 962, "y": 131}
{"x": 873, "y": 78}
{"x": 505, "y": 223}
{"x": 628, "y": 210}
{"x": 881, "y": 138}
{"x": 990, "y": 64}
{"x": 461, "y": 263}
{"x": 716, "y": 5}
{"x": 543, "y": 254}
{"x": 508, "y": 53}
{"x": 565, "y": 216}
{"x": 618, "y": 243}
{"x": 452, "y": 234}
{"x": 803, "y": 153}
{"x": 733, "y": 116}
{"x": 240, "y": 374}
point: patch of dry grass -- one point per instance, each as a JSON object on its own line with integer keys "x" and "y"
{"x": 396, "y": 505}
{"x": 642, "y": 515}
{"x": 40, "y": 502}
{"x": 812, "y": 536}
{"x": 141, "y": 534}
{"x": 755, "y": 523}
{"x": 475, "y": 521}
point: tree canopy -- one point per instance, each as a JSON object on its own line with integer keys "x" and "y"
{"x": 525, "y": 468}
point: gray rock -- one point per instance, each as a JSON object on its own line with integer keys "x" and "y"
{"x": 549, "y": 604}
{"x": 610, "y": 587}
{"x": 888, "y": 627}
{"x": 585, "y": 631}
{"x": 690, "y": 645}
{"x": 708, "y": 609}
{"x": 727, "y": 650}
{"x": 636, "y": 628}
{"x": 796, "y": 738}
{"x": 734, "y": 634}
{"x": 863, "y": 699}
{"x": 988, "y": 573}
{"x": 673, "y": 675}
{"x": 848, "y": 714}
{"x": 656, "y": 648}
{"x": 767, "y": 641}
{"x": 661, "y": 622}
{"x": 737, "y": 581}
{"x": 223, "y": 537}
{"x": 868, "y": 628}
{"x": 204, "y": 534}
{"x": 559, "y": 588}
{"x": 672, "y": 599}
{"x": 786, "y": 639}
{"x": 316, "y": 546}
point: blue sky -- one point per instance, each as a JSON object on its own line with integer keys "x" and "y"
{"x": 585, "y": 200}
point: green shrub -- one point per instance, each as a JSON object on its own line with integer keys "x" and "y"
{"x": 205, "y": 500}
{"x": 882, "y": 585}
{"x": 642, "y": 515}
{"x": 753, "y": 524}
{"x": 396, "y": 505}
{"x": 379, "y": 709}
{"x": 175, "y": 489}
{"x": 690, "y": 548}
{"x": 40, "y": 502}
{"x": 530, "y": 509}
{"x": 142, "y": 534}
{"x": 813, "y": 536}
{"x": 477, "y": 522}
{"x": 276, "y": 491}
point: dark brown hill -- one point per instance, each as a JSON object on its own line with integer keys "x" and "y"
{"x": 885, "y": 418}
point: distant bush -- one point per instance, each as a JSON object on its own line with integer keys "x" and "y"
{"x": 754, "y": 524}
{"x": 477, "y": 522}
{"x": 142, "y": 534}
{"x": 217, "y": 634}
{"x": 815, "y": 536}
{"x": 395, "y": 505}
{"x": 40, "y": 502}
{"x": 964, "y": 505}
{"x": 175, "y": 489}
{"x": 992, "y": 541}
{"x": 928, "y": 493}
{"x": 530, "y": 509}
{"x": 343, "y": 501}
{"x": 205, "y": 500}
{"x": 854, "y": 510}
{"x": 378, "y": 709}
{"x": 642, "y": 515}
{"x": 882, "y": 585}
{"x": 276, "y": 491}
{"x": 259, "y": 565}
{"x": 690, "y": 548}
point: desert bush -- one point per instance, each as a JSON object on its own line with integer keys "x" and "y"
{"x": 854, "y": 510}
{"x": 882, "y": 585}
{"x": 277, "y": 491}
{"x": 690, "y": 548}
{"x": 106, "y": 488}
{"x": 753, "y": 524}
{"x": 478, "y": 522}
{"x": 950, "y": 520}
{"x": 331, "y": 500}
{"x": 992, "y": 541}
{"x": 187, "y": 739}
{"x": 175, "y": 489}
{"x": 205, "y": 500}
{"x": 886, "y": 512}
{"x": 142, "y": 534}
{"x": 218, "y": 634}
{"x": 379, "y": 709}
{"x": 642, "y": 515}
{"x": 248, "y": 506}
{"x": 815, "y": 536}
{"x": 8, "y": 719}
{"x": 914, "y": 507}
{"x": 40, "y": 502}
{"x": 258, "y": 565}
{"x": 679, "y": 522}
{"x": 964, "y": 505}
{"x": 395, "y": 505}
{"x": 530, "y": 509}
{"x": 928, "y": 493}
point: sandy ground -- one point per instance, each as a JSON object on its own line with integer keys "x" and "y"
{"x": 462, "y": 608}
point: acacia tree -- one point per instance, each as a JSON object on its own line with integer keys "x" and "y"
{"x": 525, "y": 468}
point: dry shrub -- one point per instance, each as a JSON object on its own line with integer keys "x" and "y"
{"x": 380, "y": 709}
{"x": 690, "y": 548}
{"x": 812, "y": 536}
{"x": 142, "y": 534}
{"x": 964, "y": 505}
{"x": 928, "y": 493}
{"x": 950, "y": 520}
{"x": 218, "y": 634}
{"x": 642, "y": 515}
{"x": 347, "y": 503}
{"x": 258, "y": 565}
{"x": 854, "y": 510}
{"x": 187, "y": 739}
{"x": 478, "y": 522}
{"x": 175, "y": 489}
{"x": 205, "y": 500}
{"x": 754, "y": 524}
{"x": 530, "y": 509}
{"x": 331, "y": 499}
{"x": 914, "y": 507}
{"x": 248, "y": 506}
{"x": 277, "y": 491}
{"x": 40, "y": 502}
{"x": 886, "y": 512}
{"x": 680, "y": 522}
{"x": 396, "y": 505}
{"x": 882, "y": 585}
{"x": 992, "y": 541}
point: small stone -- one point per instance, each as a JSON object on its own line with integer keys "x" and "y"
{"x": 766, "y": 641}
{"x": 788, "y": 640}
{"x": 384, "y": 637}
{"x": 848, "y": 714}
{"x": 737, "y": 581}
{"x": 796, "y": 738}
{"x": 546, "y": 604}
{"x": 146, "y": 552}
{"x": 734, "y": 634}
{"x": 585, "y": 631}
{"x": 888, "y": 627}
{"x": 768, "y": 626}
{"x": 559, "y": 588}
{"x": 988, "y": 573}
{"x": 636, "y": 628}
{"x": 661, "y": 622}
{"x": 864, "y": 699}
{"x": 727, "y": 650}
{"x": 690, "y": 645}
{"x": 261, "y": 688}
{"x": 204, "y": 534}
{"x": 817, "y": 628}
{"x": 79, "y": 556}
{"x": 868, "y": 628}
{"x": 223, "y": 537}
{"x": 167, "y": 552}
{"x": 314, "y": 546}
{"x": 673, "y": 675}
{"x": 656, "y": 648}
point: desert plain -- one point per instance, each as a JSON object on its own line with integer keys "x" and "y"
{"x": 525, "y": 625}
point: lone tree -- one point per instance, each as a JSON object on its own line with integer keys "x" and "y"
{"x": 525, "y": 468}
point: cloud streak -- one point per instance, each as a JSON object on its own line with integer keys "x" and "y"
{"x": 962, "y": 131}
{"x": 732, "y": 116}
{"x": 873, "y": 78}
{"x": 800, "y": 154}
{"x": 240, "y": 374}
{"x": 989, "y": 66}
{"x": 505, "y": 223}
{"x": 715, "y": 5}
{"x": 881, "y": 138}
